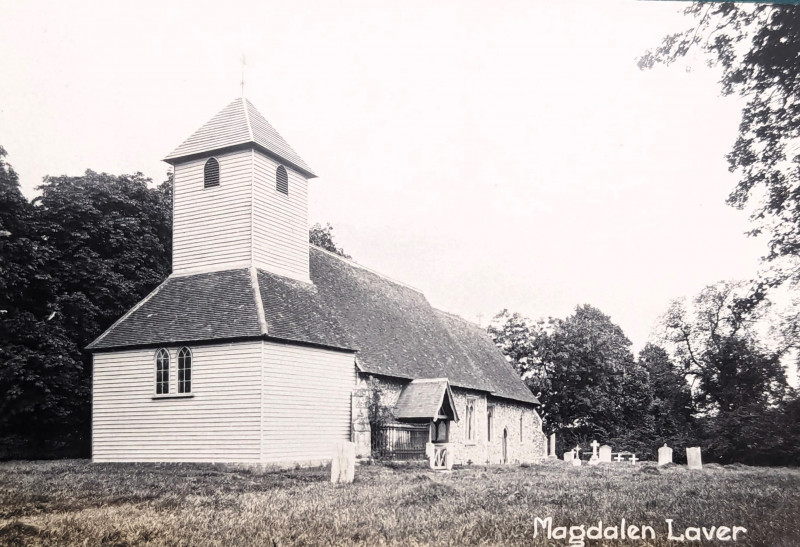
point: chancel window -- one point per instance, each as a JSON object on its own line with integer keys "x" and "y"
{"x": 184, "y": 371}
{"x": 211, "y": 173}
{"x": 470, "y": 419}
{"x": 162, "y": 372}
{"x": 282, "y": 180}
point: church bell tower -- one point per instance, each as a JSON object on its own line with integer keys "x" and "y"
{"x": 240, "y": 198}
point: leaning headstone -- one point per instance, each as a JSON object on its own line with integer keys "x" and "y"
{"x": 343, "y": 464}
{"x": 605, "y": 453}
{"x": 694, "y": 458}
{"x": 664, "y": 455}
{"x": 553, "y": 446}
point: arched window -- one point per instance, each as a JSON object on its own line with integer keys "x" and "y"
{"x": 489, "y": 424}
{"x": 162, "y": 372}
{"x": 211, "y": 173}
{"x": 184, "y": 371}
{"x": 282, "y": 180}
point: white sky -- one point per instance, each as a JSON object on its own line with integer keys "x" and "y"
{"x": 493, "y": 154}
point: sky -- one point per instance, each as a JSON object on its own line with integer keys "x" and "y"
{"x": 494, "y": 155}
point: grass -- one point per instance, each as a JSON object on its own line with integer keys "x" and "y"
{"x": 76, "y": 502}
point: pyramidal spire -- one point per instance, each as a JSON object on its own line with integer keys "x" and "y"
{"x": 238, "y": 126}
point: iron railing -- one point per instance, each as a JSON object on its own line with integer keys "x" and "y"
{"x": 399, "y": 441}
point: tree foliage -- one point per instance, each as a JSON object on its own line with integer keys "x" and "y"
{"x": 582, "y": 370}
{"x": 322, "y": 236}
{"x": 757, "y": 48}
{"x": 74, "y": 260}
{"x": 716, "y": 341}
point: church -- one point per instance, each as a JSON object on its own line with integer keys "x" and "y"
{"x": 262, "y": 349}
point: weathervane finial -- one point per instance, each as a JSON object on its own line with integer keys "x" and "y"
{"x": 244, "y": 62}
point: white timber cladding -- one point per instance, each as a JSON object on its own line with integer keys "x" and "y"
{"x": 280, "y": 221}
{"x": 306, "y": 401}
{"x": 211, "y": 226}
{"x": 220, "y": 421}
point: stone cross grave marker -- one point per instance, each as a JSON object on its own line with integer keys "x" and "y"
{"x": 694, "y": 458}
{"x": 619, "y": 457}
{"x": 595, "y": 459}
{"x": 577, "y": 450}
{"x": 664, "y": 455}
{"x": 343, "y": 464}
{"x": 633, "y": 459}
{"x": 605, "y": 453}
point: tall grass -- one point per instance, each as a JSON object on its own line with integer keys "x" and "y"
{"x": 80, "y": 503}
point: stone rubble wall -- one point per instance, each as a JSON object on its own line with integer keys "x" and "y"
{"x": 530, "y": 447}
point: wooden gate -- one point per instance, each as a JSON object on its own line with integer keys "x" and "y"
{"x": 400, "y": 441}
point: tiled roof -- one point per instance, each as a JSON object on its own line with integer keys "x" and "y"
{"x": 186, "y": 309}
{"x": 422, "y": 399}
{"x": 236, "y": 125}
{"x": 391, "y": 326}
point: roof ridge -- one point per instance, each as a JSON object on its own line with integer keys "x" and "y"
{"x": 368, "y": 269}
{"x": 262, "y": 318}
{"x": 245, "y": 104}
{"x": 456, "y": 316}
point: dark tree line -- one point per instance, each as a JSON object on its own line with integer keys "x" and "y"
{"x": 72, "y": 261}
{"x": 712, "y": 383}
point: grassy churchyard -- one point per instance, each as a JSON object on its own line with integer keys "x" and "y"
{"x": 79, "y": 503}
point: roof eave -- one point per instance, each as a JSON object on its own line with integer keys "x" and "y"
{"x": 175, "y": 159}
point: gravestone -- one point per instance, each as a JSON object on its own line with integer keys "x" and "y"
{"x": 569, "y": 456}
{"x": 664, "y": 455}
{"x": 693, "y": 458}
{"x": 577, "y": 462}
{"x": 605, "y": 453}
{"x": 553, "y": 446}
{"x": 343, "y": 464}
{"x": 633, "y": 459}
{"x": 595, "y": 459}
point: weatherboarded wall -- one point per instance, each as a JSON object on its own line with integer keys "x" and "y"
{"x": 306, "y": 401}
{"x": 211, "y": 226}
{"x": 220, "y": 422}
{"x": 251, "y": 402}
{"x": 280, "y": 221}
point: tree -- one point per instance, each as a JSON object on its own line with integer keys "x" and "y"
{"x": 323, "y": 237}
{"x": 756, "y": 48}
{"x": 716, "y": 341}
{"x": 671, "y": 406}
{"x": 82, "y": 254}
{"x": 582, "y": 370}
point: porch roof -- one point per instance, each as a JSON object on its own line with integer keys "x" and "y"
{"x": 422, "y": 399}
